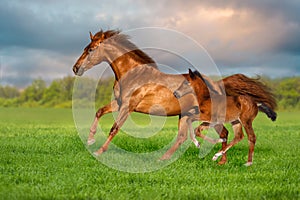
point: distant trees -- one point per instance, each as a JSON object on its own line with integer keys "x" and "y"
{"x": 60, "y": 93}
{"x": 57, "y": 94}
{"x": 33, "y": 93}
{"x": 288, "y": 93}
{"x": 8, "y": 92}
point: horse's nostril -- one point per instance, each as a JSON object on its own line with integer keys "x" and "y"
{"x": 75, "y": 69}
{"x": 176, "y": 94}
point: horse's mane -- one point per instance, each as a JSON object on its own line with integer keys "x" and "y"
{"x": 208, "y": 84}
{"x": 123, "y": 40}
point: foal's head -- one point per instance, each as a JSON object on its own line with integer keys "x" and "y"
{"x": 193, "y": 82}
{"x": 95, "y": 52}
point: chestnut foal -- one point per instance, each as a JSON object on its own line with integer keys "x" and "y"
{"x": 241, "y": 110}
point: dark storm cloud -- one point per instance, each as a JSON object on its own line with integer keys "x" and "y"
{"x": 40, "y": 27}
{"x": 44, "y": 38}
{"x": 62, "y": 25}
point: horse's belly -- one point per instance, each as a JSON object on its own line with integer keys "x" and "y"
{"x": 163, "y": 103}
{"x": 158, "y": 107}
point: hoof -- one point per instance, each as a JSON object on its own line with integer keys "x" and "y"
{"x": 197, "y": 144}
{"x": 216, "y": 156}
{"x": 99, "y": 152}
{"x": 96, "y": 153}
{"x": 164, "y": 157}
{"x": 91, "y": 141}
{"x": 222, "y": 162}
{"x": 248, "y": 164}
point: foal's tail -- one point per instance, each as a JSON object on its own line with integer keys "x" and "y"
{"x": 262, "y": 95}
{"x": 268, "y": 111}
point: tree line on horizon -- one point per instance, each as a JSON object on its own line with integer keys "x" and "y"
{"x": 59, "y": 93}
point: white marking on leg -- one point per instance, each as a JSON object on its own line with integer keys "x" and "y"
{"x": 195, "y": 141}
{"x": 96, "y": 154}
{"x": 221, "y": 140}
{"x": 248, "y": 164}
{"x": 193, "y": 136}
{"x": 91, "y": 141}
{"x": 217, "y": 155}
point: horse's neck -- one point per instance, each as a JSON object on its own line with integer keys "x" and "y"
{"x": 214, "y": 87}
{"x": 202, "y": 91}
{"x": 122, "y": 62}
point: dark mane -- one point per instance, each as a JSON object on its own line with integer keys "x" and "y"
{"x": 197, "y": 73}
{"x": 123, "y": 40}
{"x": 107, "y": 34}
{"x": 209, "y": 86}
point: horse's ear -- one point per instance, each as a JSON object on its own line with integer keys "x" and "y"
{"x": 91, "y": 35}
{"x": 191, "y": 73}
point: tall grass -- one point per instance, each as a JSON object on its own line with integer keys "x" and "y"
{"x": 42, "y": 157}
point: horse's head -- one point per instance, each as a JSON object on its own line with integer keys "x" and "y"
{"x": 193, "y": 82}
{"x": 95, "y": 52}
{"x": 185, "y": 87}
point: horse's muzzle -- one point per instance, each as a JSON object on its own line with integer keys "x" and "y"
{"x": 78, "y": 70}
{"x": 176, "y": 94}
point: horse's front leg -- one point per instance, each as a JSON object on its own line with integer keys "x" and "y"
{"x": 192, "y": 133}
{"x": 122, "y": 116}
{"x": 223, "y": 132}
{"x": 181, "y": 138}
{"x": 238, "y": 136}
{"x": 111, "y": 107}
{"x": 205, "y": 126}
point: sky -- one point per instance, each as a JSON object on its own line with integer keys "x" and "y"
{"x": 43, "y": 39}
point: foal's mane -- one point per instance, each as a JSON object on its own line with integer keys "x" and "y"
{"x": 123, "y": 40}
{"x": 208, "y": 84}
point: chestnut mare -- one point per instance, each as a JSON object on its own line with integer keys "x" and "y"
{"x": 139, "y": 86}
{"x": 241, "y": 107}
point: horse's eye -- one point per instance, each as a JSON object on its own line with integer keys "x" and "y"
{"x": 90, "y": 50}
{"x": 186, "y": 82}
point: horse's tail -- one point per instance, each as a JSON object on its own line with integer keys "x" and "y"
{"x": 268, "y": 111}
{"x": 262, "y": 95}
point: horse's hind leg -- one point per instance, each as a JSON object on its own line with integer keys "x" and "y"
{"x": 181, "y": 137}
{"x": 251, "y": 140}
{"x": 238, "y": 136}
{"x": 111, "y": 107}
{"x": 223, "y": 132}
{"x": 122, "y": 116}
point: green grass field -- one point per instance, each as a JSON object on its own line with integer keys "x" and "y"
{"x": 43, "y": 157}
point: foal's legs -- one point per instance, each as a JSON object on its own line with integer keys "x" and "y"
{"x": 205, "y": 126}
{"x": 111, "y": 107}
{"x": 223, "y": 132}
{"x": 122, "y": 116}
{"x": 249, "y": 112}
{"x": 181, "y": 137}
{"x": 238, "y": 136}
{"x": 251, "y": 140}
{"x": 192, "y": 133}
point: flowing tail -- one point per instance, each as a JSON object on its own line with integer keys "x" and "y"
{"x": 268, "y": 111}
{"x": 240, "y": 84}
